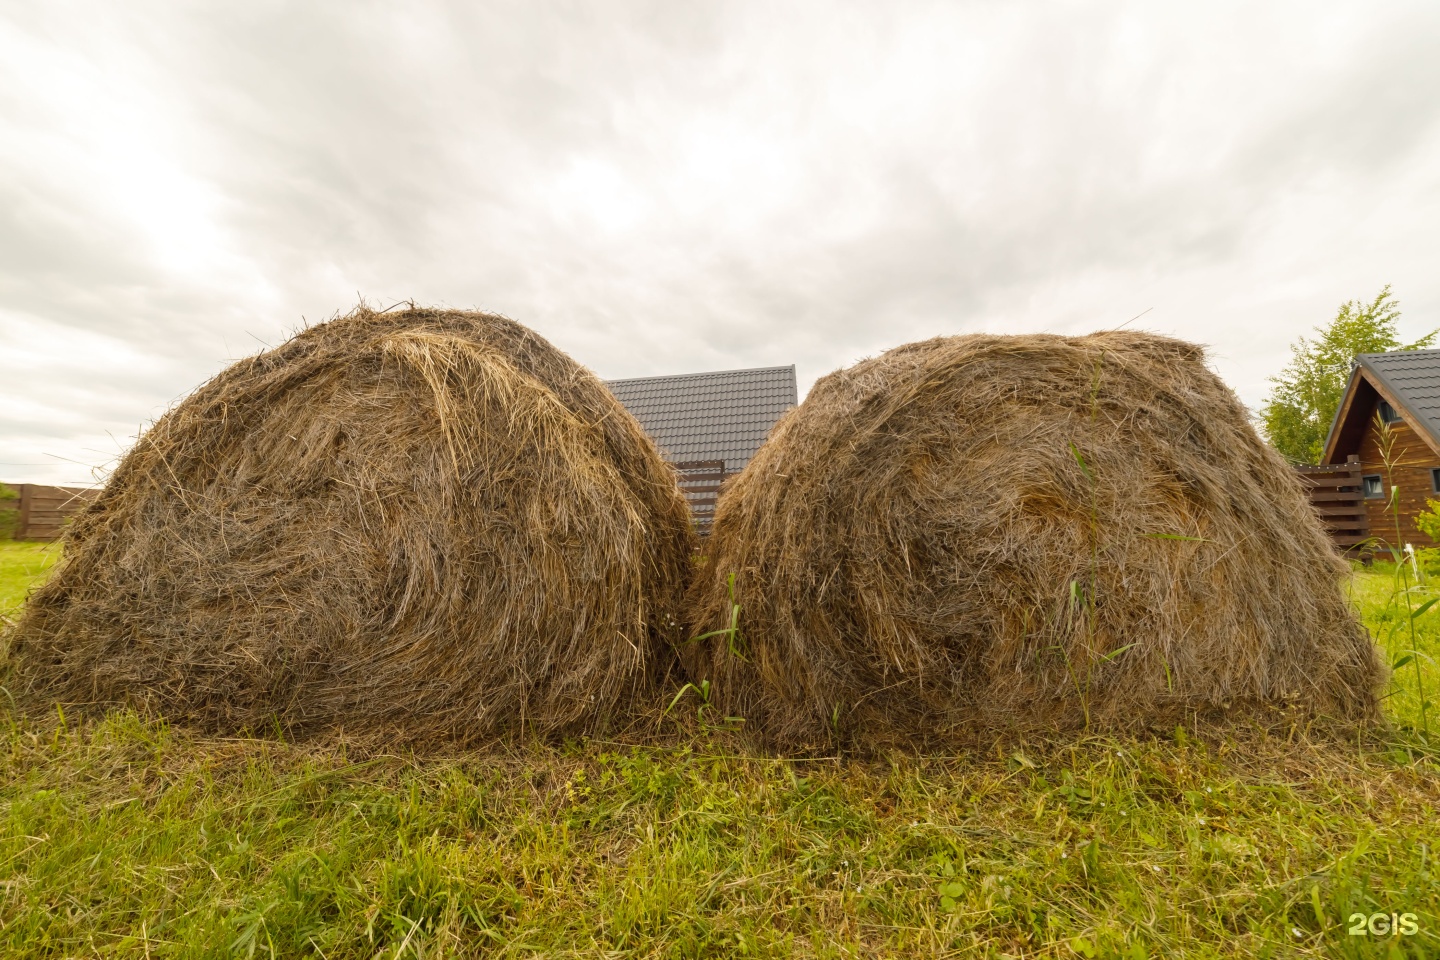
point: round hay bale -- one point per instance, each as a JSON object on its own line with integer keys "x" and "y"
{"x": 983, "y": 532}
{"x": 415, "y": 526}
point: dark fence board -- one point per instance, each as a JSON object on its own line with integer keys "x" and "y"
{"x": 42, "y": 510}
{"x": 1337, "y": 495}
{"x": 700, "y": 482}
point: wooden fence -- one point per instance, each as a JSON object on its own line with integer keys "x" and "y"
{"x": 700, "y": 482}
{"x": 40, "y": 512}
{"x": 1337, "y": 493}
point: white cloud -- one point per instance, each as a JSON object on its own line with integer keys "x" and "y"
{"x": 676, "y": 187}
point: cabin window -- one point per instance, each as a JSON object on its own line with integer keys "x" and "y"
{"x": 1387, "y": 413}
{"x": 1374, "y": 487}
{"x": 1435, "y": 480}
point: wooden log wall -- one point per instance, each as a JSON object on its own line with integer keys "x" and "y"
{"x": 1411, "y": 462}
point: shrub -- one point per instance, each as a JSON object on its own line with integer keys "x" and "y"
{"x": 8, "y": 516}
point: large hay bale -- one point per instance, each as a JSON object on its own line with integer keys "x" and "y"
{"x": 1021, "y": 531}
{"x": 416, "y": 526}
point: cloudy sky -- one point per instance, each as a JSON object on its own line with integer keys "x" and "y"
{"x": 673, "y": 187}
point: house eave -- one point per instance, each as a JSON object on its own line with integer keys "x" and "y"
{"x": 1387, "y": 392}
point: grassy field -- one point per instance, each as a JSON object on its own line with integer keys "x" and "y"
{"x": 22, "y": 565}
{"x": 127, "y": 838}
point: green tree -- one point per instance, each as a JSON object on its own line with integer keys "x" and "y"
{"x": 1304, "y": 398}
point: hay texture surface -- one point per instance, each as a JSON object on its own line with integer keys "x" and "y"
{"x": 1027, "y": 531}
{"x": 415, "y": 526}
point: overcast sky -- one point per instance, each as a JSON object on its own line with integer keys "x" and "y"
{"x": 676, "y": 187}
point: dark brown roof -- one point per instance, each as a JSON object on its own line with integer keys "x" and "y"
{"x": 723, "y": 415}
{"x": 1408, "y": 379}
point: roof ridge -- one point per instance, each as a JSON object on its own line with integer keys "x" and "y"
{"x": 1400, "y": 353}
{"x": 704, "y": 373}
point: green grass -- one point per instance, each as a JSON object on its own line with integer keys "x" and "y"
{"x": 22, "y": 565}
{"x": 1381, "y": 600}
{"x": 124, "y": 837}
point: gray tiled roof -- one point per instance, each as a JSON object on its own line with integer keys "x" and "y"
{"x": 1413, "y": 378}
{"x": 710, "y": 416}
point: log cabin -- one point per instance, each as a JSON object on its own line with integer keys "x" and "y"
{"x": 1402, "y": 390}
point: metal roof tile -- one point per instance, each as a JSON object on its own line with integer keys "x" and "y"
{"x": 710, "y": 416}
{"x": 1413, "y": 376}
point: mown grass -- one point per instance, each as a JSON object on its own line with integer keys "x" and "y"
{"x": 124, "y": 837}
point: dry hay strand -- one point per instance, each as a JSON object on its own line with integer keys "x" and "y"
{"x": 983, "y": 532}
{"x": 409, "y": 527}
